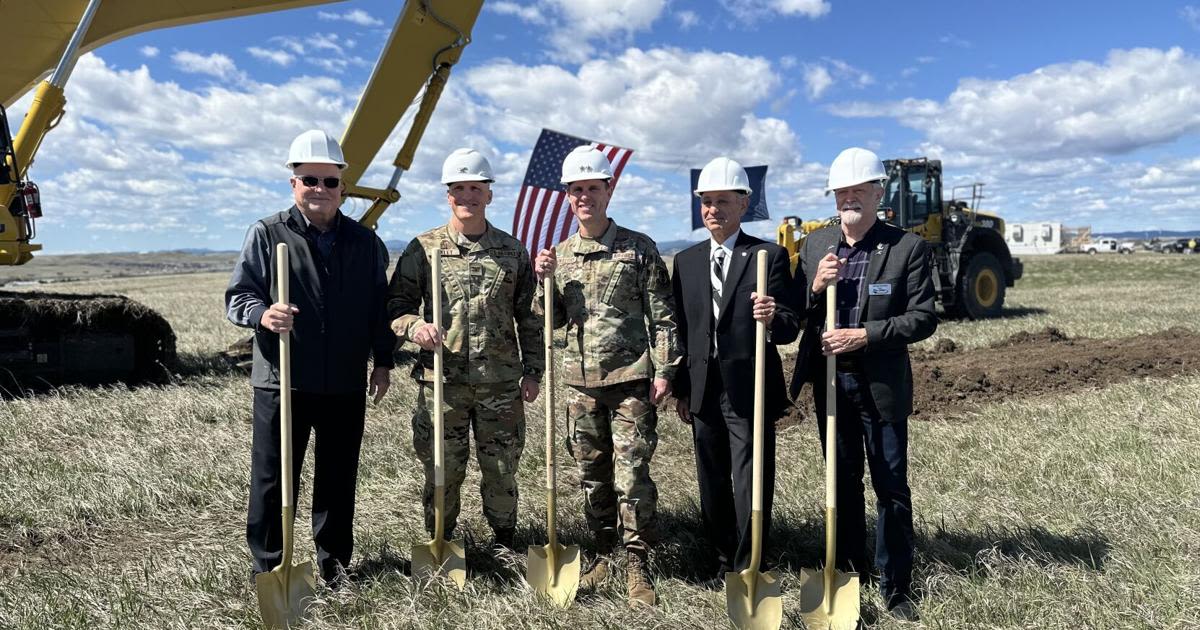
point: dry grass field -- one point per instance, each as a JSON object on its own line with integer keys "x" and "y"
{"x": 124, "y": 508}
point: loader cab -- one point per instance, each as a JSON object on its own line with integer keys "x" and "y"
{"x": 912, "y": 197}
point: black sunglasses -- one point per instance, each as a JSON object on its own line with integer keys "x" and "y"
{"x": 310, "y": 181}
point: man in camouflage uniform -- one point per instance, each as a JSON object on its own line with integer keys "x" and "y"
{"x": 492, "y": 354}
{"x": 612, "y": 294}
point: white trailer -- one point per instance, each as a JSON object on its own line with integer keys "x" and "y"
{"x": 1034, "y": 238}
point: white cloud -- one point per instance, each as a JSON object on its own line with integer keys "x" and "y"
{"x": 1136, "y": 98}
{"x": 753, "y": 10}
{"x": 529, "y": 13}
{"x": 148, "y": 52}
{"x": 135, "y": 153}
{"x": 355, "y": 16}
{"x": 1191, "y": 15}
{"x": 807, "y": 8}
{"x": 579, "y": 29}
{"x": 687, "y": 19}
{"x": 954, "y": 40}
{"x": 277, "y": 57}
{"x": 216, "y": 64}
{"x": 676, "y": 108}
{"x": 820, "y": 76}
{"x": 816, "y": 80}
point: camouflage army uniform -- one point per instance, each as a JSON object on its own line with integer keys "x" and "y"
{"x": 613, "y": 302}
{"x": 487, "y": 288}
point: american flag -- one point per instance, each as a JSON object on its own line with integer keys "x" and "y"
{"x": 543, "y": 218}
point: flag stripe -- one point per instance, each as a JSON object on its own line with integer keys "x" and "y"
{"x": 567, "y": 224}
{"x": 545, "y": 196}
{"x": 620, "y": 165}
{"x": 518, "y": 230}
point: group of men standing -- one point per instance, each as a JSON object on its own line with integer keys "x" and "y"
{"x": 631, "y": 335}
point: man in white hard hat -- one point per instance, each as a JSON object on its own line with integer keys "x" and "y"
{"x": 717, "y": 306}
{"x": 613, "y": 296}
{"x": 337, "y": 320}
{"x": 492, "y": 345}
{"x": 884, "y": 303}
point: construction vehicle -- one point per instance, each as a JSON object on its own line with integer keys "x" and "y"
{"x": 971, "y": 261}
{"x": 47, "y": 338}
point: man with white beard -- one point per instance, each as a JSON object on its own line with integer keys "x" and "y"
{"x": 884, "y": 303}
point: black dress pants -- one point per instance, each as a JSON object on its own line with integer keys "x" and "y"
{"x": 725, "y": 468}
{"x": 337, "y": 420}
{"x": 863, "y": 437}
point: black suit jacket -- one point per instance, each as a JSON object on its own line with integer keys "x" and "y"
{"x": 901, "y": 261}
{"x": 735, "y": 330}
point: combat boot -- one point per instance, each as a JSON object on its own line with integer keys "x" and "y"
{"x": 504, "y": 538}
{"x": 637, "y": 575}
{"x": 598, "y": 570}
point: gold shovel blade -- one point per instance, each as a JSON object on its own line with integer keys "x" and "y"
{"x": 558, "y": 580}
{"x": 284, "y": 594}
{"x": 451, "y": 563}
{"x": 845, "y": 600}
{"x": 752, "y": 600}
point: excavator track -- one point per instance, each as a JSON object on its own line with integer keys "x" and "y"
{"x": 54, "y": 338}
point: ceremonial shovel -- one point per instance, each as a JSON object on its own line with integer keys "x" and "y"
{"x": 286, "y": 591}
{"x": 752, "y": 597}
{"x": 438, "y": 556}
{"x": 829, "y": 598}
{"x": 552, "y": 570}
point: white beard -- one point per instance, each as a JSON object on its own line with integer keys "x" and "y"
{"x": 852, "y": 217}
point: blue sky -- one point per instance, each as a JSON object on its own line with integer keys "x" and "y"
{"x": 1082, "y": 112}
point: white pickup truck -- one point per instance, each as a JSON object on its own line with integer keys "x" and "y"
{"x": 1107, "y": 245}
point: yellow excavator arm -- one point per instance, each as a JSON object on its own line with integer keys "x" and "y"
{"x": 45, "y": 35}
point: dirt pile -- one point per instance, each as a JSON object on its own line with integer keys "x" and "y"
{"x": 949, "y": 380}
{"x": 1028, "y": 364}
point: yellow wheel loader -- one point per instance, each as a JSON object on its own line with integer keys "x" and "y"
{"x": 96, "y": 339}
{"x": 971, "y": 262}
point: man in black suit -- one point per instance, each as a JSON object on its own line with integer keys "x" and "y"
{"x": 884, "y": 303}
{"x": 717, "y": 305}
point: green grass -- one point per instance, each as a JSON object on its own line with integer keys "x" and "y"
{"x": 1092, "y": 296}
{"x": 125, "y": 508}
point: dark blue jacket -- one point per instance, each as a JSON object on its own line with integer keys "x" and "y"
{"x": 342, "y": 300}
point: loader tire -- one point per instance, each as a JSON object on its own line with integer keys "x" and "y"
{"x": 981, "y": 287}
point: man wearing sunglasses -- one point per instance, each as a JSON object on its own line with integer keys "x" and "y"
{"x": 337, "y": 319}
{"x": 492, "y": 345}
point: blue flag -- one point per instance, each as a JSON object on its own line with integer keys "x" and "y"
{"x": 757, "y": 211}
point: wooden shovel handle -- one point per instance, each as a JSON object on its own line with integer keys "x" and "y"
{"x": 285, "y": 379}
{"x": 288, "y": 510}
{"x": 548, "y": 394}
{"x": 830, "y": 446}
{"x": 760, "y": 371}
{"x": 435, "y": 287}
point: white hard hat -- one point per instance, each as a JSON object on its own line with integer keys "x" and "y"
{"x": 315, "y": 147}
{"x": 852, "y": 167}
{"x": 723, "y": 174}
{"x": 466, "y": 165}
{"x": 585, "y": 162}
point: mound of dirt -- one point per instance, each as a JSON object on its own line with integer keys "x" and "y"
{"x": 949, "y": 380}
{"x": 1044, "y": 362}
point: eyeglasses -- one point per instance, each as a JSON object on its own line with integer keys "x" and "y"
{"x": 310, "y": 181}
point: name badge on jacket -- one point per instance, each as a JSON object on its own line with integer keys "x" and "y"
{"x": 879, "y": 289}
